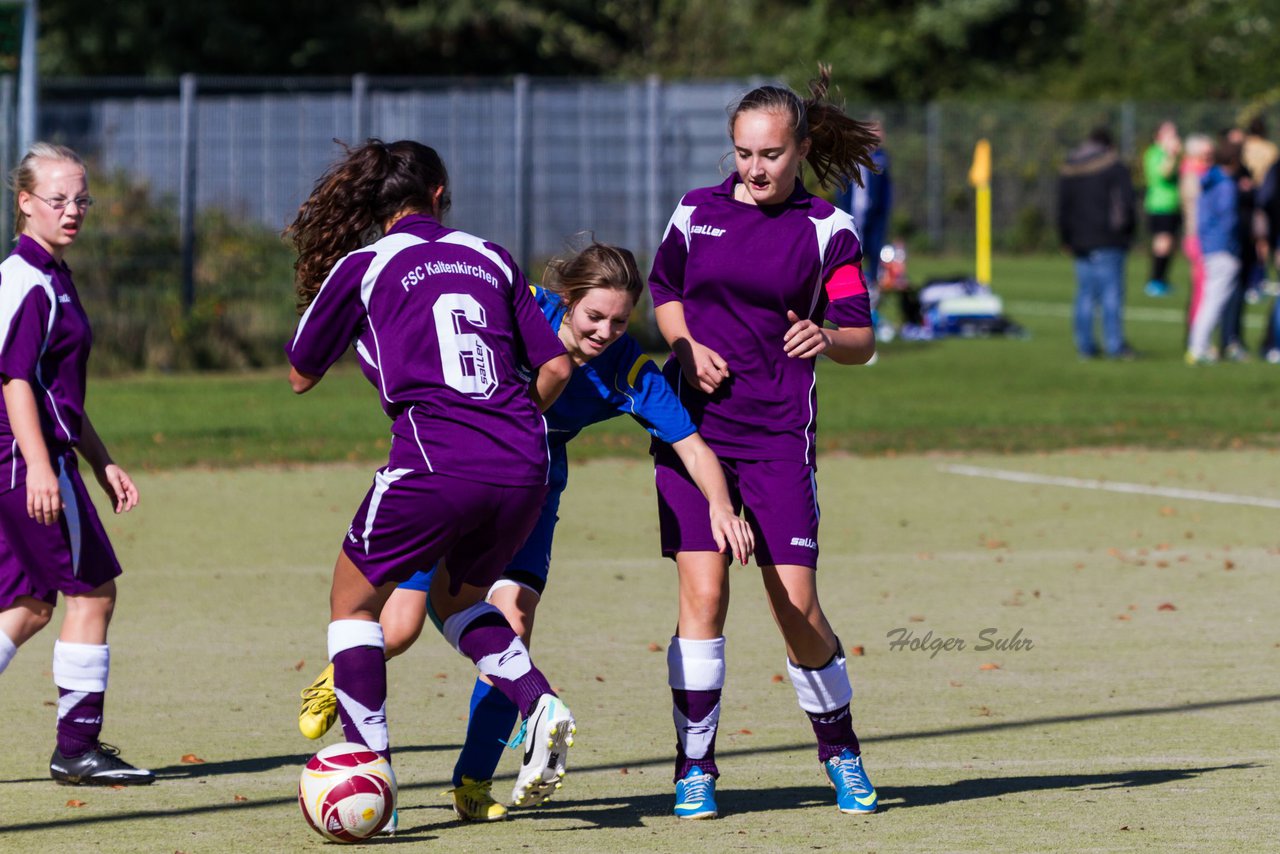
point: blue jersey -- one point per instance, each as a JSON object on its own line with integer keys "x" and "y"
{"x": 620, "y": 381}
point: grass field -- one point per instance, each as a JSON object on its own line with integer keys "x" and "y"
{"x": 1141, "y": 717}
{"x": 1126, "y": 726}
{"x": 984, "y": 395}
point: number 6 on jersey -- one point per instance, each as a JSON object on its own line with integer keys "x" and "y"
{"x": 466, "y": 360}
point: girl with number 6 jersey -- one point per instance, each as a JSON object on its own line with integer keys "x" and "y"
{"x": 587, "y": 301}
{"x": 745, "y": 276}
{"x": 442, "y": 322}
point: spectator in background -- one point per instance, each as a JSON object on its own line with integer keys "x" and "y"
{"x": 1196, "y": 160}
{"x": 1164, "y": 218}
{"x": 1250, "y": 231}
{"x": 870, "y": 206}
{"x": 1259, "y": 153}
{"x": 1217, "y": 223}
{"x": 1095, "y": 222}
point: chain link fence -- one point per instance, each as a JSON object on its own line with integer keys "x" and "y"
{"x": 200, "y": 175}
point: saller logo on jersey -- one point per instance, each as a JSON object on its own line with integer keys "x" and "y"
{"x": 708, "y": 230}
{"x": 804, "y": 542}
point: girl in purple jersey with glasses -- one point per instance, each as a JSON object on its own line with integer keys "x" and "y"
{"x": 51, "y": 539}
{"x": 441, "y": 322}
{"x": 745, "y": 280}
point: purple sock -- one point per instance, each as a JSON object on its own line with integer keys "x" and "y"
{"x": 79, "y": 720}
{"x": 697, "y": 717}
{"x": 834, "y": 730}
{"x": 498, "y": 652}
{"x": 360, "y": 681}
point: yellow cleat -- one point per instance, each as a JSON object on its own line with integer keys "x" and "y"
{"x": 472, "y": 801}
{"x": 319, "y": 705}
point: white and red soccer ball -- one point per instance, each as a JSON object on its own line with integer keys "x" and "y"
{"x": 347, "y": 792}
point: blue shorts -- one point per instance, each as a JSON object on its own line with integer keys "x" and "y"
{"x": 531, "y": 564}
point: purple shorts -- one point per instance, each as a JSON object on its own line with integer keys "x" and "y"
{"x": 412, "y": 519}
{"x": 72, "y": 557}
{"x": 778, "y": 499}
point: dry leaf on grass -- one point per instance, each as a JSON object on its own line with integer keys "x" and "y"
{"x": 990, "y": 665}
{"x": 74, "y": 803}
{"x": 653, "y": 647}
{"x": 1166, "y": 606}
{"x": 191, "y": 759}
{"x": 776, "y": 678}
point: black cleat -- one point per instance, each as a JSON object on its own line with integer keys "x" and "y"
{"x": 98, "y": 766}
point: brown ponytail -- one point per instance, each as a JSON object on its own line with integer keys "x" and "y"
{"x": 839, "y": 145}
{"x": 355, "y": 198}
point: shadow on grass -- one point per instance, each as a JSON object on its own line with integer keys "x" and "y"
{"x": 255, "y": 765}
{"x": 629, "y": 811}
{"x": 898, "y": 797}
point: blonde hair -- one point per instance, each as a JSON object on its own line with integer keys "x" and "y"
{"x": 23, "y": 177}
{"x": 598, "y": 265}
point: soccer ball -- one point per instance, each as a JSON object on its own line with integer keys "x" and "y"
{"x": 347, "y": 792}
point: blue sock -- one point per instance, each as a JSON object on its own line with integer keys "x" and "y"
{"x": 493, "y": 717}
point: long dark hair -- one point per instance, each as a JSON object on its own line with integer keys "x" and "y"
{"x": 839, "y": 145}
{"x": 355, "y": 198}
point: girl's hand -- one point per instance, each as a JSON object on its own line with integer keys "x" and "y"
{"x": 44, "y": 498}
{"x": 733, "y": 534}
{"x": 805, "y": 339}
{"x": 119, "y": 487}
{"x": 703, "y": 367}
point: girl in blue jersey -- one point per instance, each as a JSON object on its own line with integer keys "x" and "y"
{"x": 588, "y": 300}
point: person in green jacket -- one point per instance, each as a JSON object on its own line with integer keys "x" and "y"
{"x": 1164, "y": 216}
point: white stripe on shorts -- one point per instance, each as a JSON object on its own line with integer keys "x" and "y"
{"x": 71, "y": 512}
{"x": 382, "y": 481}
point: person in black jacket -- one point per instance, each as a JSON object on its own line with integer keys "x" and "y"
{"x": 1096, "y": 222}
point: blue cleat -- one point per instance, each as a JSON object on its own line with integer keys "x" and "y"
{"x": 1156, "y": 288}
{"x": 696, "y": 795}
{"x": 854, "y": 793}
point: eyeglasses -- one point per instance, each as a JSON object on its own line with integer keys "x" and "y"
{"x": 82, "y": 203}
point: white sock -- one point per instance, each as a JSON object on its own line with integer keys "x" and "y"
{"x": 81, "y": 666}
{"x": 822, "y": 690}
{"x": 8, "y": 649}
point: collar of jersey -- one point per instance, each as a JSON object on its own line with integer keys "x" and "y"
{"x": 799, "y": 196}
{"x": 37, "y": 256}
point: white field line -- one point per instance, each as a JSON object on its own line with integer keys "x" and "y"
{"x": 1111, "y": 486}
{"x": 1153, "y": 315}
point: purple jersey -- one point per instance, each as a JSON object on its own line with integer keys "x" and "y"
{"x": 44, "y": 340}
{"x": 440, "y": 320}
{"x": 737, "y": 268}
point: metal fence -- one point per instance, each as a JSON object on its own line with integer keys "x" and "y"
{"x": 535, "y": 160}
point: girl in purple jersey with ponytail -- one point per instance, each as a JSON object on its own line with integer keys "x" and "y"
{"x": 51, "y": 539}
{"x": 745, "y": 282}
{"x": 442, "y": 323}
